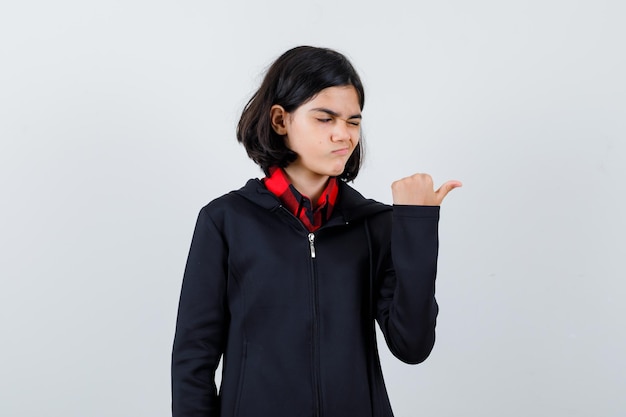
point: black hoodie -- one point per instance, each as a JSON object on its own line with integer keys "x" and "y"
{"x": 292, "y": 312}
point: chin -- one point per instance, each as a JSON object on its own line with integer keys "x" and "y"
{"x": 336, "y": 172}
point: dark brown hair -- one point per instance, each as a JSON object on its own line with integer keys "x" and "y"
{"x": 293, "y": 79}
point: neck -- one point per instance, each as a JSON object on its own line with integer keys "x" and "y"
{"x": 311, "y": 186}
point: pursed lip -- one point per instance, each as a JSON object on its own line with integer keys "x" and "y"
{"x": 342, "y": 151}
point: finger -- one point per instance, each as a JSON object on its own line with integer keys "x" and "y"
{"x": 443, "y": 191}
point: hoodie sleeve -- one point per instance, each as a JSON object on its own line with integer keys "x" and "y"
{"x": 201, "y": 324}
{"x": 406, "y": 305}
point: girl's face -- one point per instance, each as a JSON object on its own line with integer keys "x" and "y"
{"x": 323, "y": 132}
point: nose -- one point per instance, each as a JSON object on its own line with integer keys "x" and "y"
{"x": 341, "y": 132}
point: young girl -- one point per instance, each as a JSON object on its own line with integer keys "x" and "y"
{"x": 286, "y": 276}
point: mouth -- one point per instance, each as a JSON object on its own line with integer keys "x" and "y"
{"x": 341, "y": 152}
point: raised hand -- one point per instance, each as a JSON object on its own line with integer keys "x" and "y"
{"x": 418, "y": 190}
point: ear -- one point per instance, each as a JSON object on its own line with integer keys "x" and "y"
{"x": 278, "y": 117}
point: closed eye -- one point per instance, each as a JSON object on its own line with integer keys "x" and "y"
{"x": 324, "y": 120}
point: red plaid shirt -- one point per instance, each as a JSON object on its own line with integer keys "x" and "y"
{"x": 300, "y": 205}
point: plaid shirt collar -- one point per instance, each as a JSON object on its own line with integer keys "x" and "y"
{"x": 299, "y": 205}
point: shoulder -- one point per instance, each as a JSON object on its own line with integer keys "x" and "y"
{"x": 253, "y": 196}
{"x": 356, "y": 207}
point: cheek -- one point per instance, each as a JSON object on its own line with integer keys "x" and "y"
{"x": 355, "y": 134}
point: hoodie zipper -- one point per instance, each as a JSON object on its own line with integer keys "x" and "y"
{"x": 315, "y": 349}
{"x": 312, "y": 244}
{"x": 315, "y": 333}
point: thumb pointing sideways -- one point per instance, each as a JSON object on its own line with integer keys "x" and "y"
{"x": 447, "y": 187}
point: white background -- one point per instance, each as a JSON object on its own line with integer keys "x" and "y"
{"x": 117, "y": 124}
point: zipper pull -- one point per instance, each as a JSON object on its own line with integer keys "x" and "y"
{"x": 312, "y": 244}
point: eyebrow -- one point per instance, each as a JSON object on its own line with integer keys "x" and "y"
{"x": 335, "y": 114}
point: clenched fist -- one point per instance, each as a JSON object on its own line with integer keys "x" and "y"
{"x": 417, "y": 190}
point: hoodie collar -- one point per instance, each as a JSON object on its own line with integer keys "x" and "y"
{"x": 351, "y": 205}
